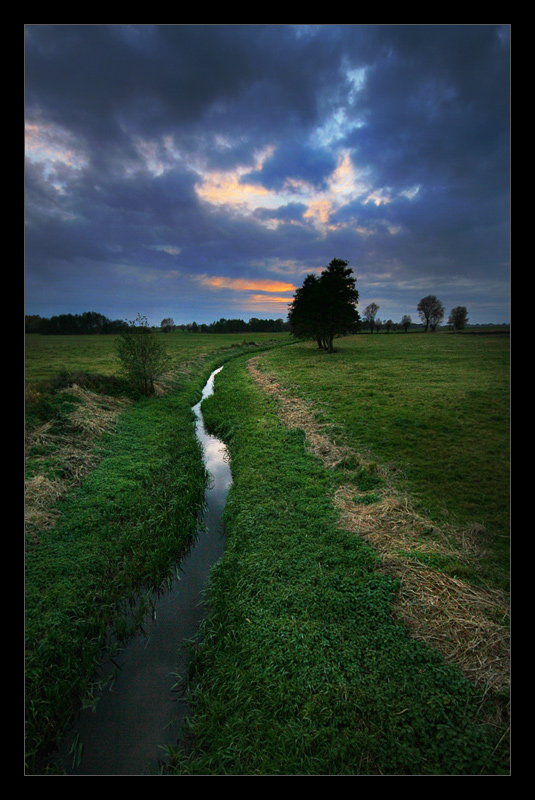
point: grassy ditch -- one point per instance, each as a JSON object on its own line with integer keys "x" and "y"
{"x": 113, "y": 488}
{"x": 303, "y": 668}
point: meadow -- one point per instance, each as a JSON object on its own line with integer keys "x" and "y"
{"x": 48, "y": 356}
{"x": 369, "y": 507}
{"x": 432, "y": 410}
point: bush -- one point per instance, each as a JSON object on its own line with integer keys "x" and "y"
{"x": 142, "y": 356}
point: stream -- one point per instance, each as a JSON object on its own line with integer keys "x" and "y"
{"x": 140, "y": 714}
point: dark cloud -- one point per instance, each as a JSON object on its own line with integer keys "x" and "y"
{"x": 156, "y": 153}
{"x": 294, "y": 160}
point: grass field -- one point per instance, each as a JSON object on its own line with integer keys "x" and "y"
{"x": 47, "y": 356}
{"x": 370, "y": 507}
{"x": 305, "y": 665}
{"x": 113, "y": 490}
{"x": 432, "y": 410}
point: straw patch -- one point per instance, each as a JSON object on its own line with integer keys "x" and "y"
{"x": 73, "y": 453}
{"x": 464, "y": 623}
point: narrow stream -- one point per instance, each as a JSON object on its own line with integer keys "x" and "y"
{"x": 140, "y": 713}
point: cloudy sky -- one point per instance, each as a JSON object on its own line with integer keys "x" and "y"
{"x": 201, "y": 171}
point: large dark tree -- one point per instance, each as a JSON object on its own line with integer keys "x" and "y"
{"x": 431, "y": 311}
{"x": 325, "y": 307}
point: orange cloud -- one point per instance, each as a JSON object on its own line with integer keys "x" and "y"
{"x": 245, "y": 285}
{"x": 261, "y": 299}
{"x": 51, "y": 144}
{"x": 228, "y": 188}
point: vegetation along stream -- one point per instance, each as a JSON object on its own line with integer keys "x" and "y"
{"x": 138, "y": 713}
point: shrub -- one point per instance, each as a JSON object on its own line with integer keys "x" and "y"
{"x": 142, "y": 355}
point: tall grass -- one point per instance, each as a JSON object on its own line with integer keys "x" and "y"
{"x": 116, "y": 536}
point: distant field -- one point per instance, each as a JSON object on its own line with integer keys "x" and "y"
{"x": 46, "y": 356}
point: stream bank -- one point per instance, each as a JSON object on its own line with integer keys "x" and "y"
{"x": 138, "y": 713}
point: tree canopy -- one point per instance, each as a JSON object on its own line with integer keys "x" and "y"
{"x": 431, "y": 311}
{"x": 90, "y": 322}
{"x": 458, "y": 317}
{"x": 325, "y": 307}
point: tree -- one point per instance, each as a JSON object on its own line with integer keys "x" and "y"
{"x": 142, "y": 355}
{"x": 325, "y": 307}
{"x": 370, "y": 312}
{"x": 406, "y": 322}
{"x": 431, "y": 311}
{"x": 458, "y": 317}
{"x": 304, "y": 315}
{"x": 167, "y": 324}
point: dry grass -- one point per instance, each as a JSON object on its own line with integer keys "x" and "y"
{"x": 462, "y": 622}
{"x": 73, "y": 452}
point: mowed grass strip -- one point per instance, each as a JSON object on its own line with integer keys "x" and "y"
{"x": 301, "y": 668}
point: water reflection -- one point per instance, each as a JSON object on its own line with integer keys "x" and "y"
{"x": 139, "y": 714}
{"x": 215, "y": 452}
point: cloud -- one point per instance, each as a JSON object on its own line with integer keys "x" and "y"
{"x": 226, "y": 150}
{"x": 245, "y": 284}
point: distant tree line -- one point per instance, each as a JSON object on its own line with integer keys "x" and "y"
{"x": 430, "y": 310}
{"x": 68, "y": 324}
{"x": 91, "y": 322}
{"x": 228, "y": 326}
{"x": 322, "y": 308}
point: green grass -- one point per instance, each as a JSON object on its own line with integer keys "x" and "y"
{"x": 121, "y": 530}
{"x": 117, "y": 536}
{"x": 301, "y": 669}
{"x": 433, "y": 408}
{"x": 47, "y": 356}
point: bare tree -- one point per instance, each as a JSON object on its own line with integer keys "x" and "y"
{"x": 370, "y": 312}
{"x": 141, "y": 355}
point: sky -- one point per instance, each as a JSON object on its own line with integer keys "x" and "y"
{"x": 200, "y": 172}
